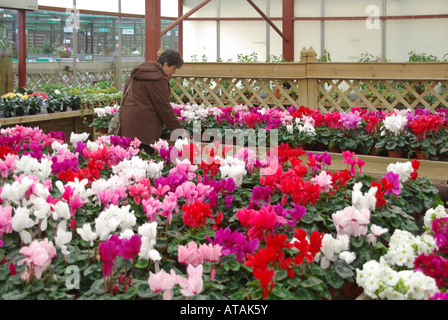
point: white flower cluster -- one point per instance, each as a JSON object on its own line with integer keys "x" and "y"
{"x": 113, "y": 219}
{"x": 105, "y": 111}
{"x": 404, "y": 247}
{"x": 432, "y": 214}
{"x": 363, "y": 200}
{"x": 233, "y": 168}
{"x": 195, "y": 112}
{"x": 380, "y": 281}
{"x": 148, "y": 232}
{"x": 403, "y": 169}
{"x": 304, "y": 124}
{"x": 137, "y": 168}
{"x": 30, "y": 166}
{"x": 334, "y": 249}
{"x": 394, "y": 123}
{"x": 75, "y": 137}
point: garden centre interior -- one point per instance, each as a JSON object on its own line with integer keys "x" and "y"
{"x": 316, "y": 169}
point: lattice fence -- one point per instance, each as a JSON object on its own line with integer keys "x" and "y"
{"x": 232, "y": 91}
{"x": 338, "y": 95}
{"x": 324, "y": 86}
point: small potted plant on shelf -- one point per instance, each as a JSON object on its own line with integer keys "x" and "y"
{"x": 102, "y": 118}
{"x": 394, "y": 137}
{"x": 7, "y": 104}
{"x": 35, "y": 102}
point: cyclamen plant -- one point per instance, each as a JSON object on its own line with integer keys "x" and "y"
{"x": 164, "y": 227}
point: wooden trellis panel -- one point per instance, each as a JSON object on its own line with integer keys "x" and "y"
{"x": 324, "y": 86}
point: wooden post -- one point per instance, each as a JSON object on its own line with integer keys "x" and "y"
{"x": 288, "y": 30}
{"x": 153, "y": 26}
{"x": 303, "y": 83}
{"x": 21, "y": 14}
{"x": 313, "y": 91}
{"x": 6, "y": 75}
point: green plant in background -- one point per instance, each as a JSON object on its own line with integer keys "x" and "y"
{"x": 422, "y": 57}
{"x": 5, "y": 44}
{"x": 325, "y": 57}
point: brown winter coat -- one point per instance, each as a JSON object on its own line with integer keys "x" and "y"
{"x": 147, "y": 107}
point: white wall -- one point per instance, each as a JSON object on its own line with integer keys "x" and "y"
{"x": 346, "y": 40}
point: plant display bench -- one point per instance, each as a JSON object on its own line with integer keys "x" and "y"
{"x": 67, "y": 122}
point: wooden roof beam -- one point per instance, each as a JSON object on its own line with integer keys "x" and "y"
{"x": 185, "y": 16}
{"x": 268, "y": 20}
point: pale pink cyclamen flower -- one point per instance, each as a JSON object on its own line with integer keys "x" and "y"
{"x": 210, "y": 253}
{"x": 5, "y": 220}
{"x": 194, "y": 284}
{"x": 376, "y": 232}
{"x": 8, "y": 165}
{"x": 351, "y": 221}
{"x": 189, "y": 254}
{"x": 324, "y": 180}
{"x": 38, "y": 256}
{"x": 163, "y": 281}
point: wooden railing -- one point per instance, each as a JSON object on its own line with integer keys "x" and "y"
{"x": 324, "y": 86}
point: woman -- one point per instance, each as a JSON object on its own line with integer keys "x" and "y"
{"x": 146, "y": 105}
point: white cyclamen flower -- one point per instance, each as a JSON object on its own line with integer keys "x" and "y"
{"x": 63, "y": 237}
{"x": 87, "y": 234}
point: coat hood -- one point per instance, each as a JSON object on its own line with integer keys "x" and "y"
{"x": 147, "y": 71}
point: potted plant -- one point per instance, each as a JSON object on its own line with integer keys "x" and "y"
{"x": 35, "y": 102}
{"x": 393, "y": 137}
{"x": 102, "y": 118}
{"x": 7, "y": 104}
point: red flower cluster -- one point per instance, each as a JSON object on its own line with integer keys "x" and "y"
{"x": 91, "y": 172}
{"x": 5, "y": 150}
{"x": 371, "y": 122}
{"x": 265, "y": 260}
{"x": 195, "y": 215}
{"x": 259, "y": 223}
{"x": 426, "y": 124}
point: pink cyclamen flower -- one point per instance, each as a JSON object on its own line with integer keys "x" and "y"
{"x": 324, "y": 180}
{"x": 210, "y": 252}
{"x": 189, "y": 254}
{"x": 194, "y": 284}
{"x": 163, "y": 281}
{"x": 351, "y": 221}
{"x": 38, "y": 256}
{"x": 5, "y": 220}
{"x": 130, "y": 248}
{"x": 108, "y": 253}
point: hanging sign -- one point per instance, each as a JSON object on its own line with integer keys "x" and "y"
{"x": 19, "y": 4}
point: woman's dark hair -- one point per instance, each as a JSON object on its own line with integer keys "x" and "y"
{"x": 172, "y": 57}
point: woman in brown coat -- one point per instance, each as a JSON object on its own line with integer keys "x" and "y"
{"x": 146, "y": 106}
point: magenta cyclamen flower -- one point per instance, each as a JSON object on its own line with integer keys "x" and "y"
{"x": 130, "y": 248}
{"x": 108, "y": 253}
{"x": 394, "y": 180}
{"x": 234, "y": 243}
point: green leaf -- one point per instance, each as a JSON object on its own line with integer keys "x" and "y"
{"x": 15, "y": 295}
{"x": 141, "y": 264}
{"x": 37, "y": 285}
{"x": 391, "y": 145}
{"x": 311, "y": 282}
{"x": 343, "y": 270}
{"x": 130, "y": 292}
{"x": 334, "y": 280}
